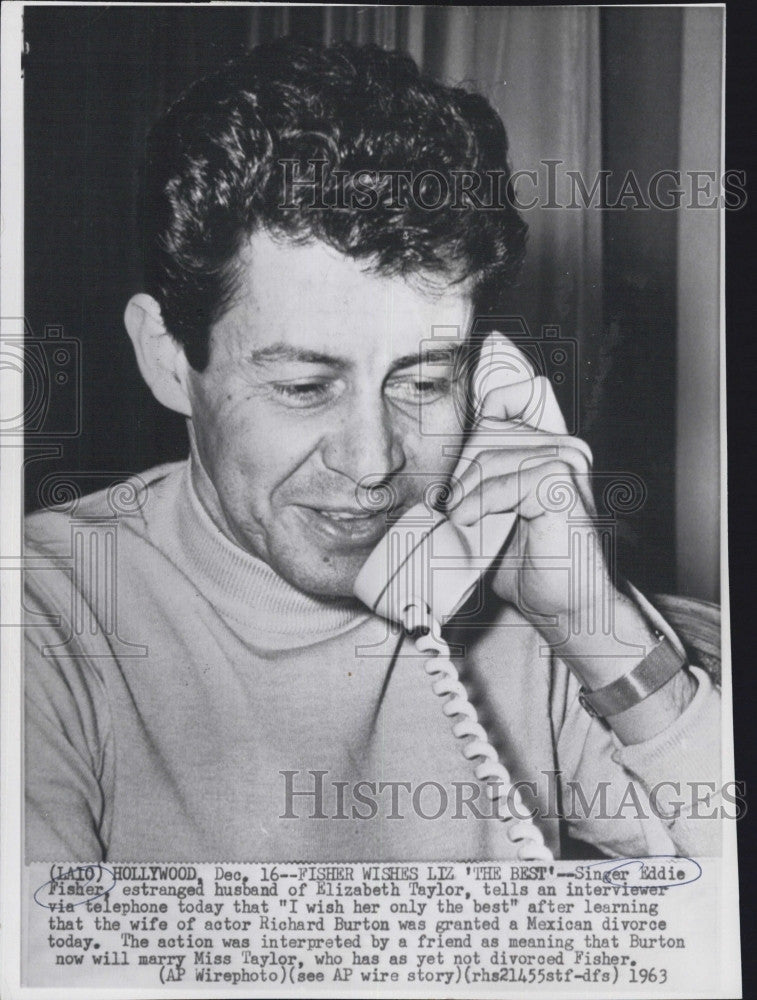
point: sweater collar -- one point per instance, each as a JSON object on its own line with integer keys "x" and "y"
{"x": 246, "y": 589}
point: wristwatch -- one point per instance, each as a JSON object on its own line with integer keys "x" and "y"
{"x": 656, "y": 669}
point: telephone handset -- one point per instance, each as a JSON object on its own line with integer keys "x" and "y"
{"x": 423, "y": 556}
{"x": 425, "y": 567}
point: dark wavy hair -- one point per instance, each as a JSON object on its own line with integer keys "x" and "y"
{"x": 215, "y": 176}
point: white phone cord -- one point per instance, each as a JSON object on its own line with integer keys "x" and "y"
{"x": 520, "y": 831}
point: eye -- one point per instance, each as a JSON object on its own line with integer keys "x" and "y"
{"x": 304, "y": 393}
{"x": 412, "y": 389}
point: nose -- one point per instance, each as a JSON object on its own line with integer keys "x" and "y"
{"x": 366, "y": 445}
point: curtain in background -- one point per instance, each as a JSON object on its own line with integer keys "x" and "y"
{"x": 698, "y": 466}
{"x": 591, "y": 88}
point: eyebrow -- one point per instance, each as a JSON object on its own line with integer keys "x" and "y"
{"x": 436, "y": 355}
{"x": 287, "y": 352}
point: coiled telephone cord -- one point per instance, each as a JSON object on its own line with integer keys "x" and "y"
{"x": 498, "y": 783}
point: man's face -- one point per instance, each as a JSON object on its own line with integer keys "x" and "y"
{"x": 314, "y": 389}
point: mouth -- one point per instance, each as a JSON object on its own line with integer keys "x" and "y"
{"x": 346, "y": 515}
{"x": 347, "y": 526}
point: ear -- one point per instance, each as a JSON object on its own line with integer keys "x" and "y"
{"x": 160, "y": 357}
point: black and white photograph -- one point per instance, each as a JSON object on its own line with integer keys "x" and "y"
{"x": 365, "y": 426}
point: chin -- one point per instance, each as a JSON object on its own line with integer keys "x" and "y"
{"x": 326, "y": 587}
{"x": 334, "y": 580}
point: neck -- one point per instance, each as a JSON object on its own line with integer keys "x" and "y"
{"x": 243, "y": 583}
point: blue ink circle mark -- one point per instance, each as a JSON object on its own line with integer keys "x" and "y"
{"x": 96, "y": 872}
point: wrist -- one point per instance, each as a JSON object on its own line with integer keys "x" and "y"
{"x": 604, "y": 641}
{"x": 651, "y": 673}
{"x": 599, "y": 657}
{"x": 649, "y": 717}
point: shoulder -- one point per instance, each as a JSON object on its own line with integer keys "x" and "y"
{"x": 131, "y": 502}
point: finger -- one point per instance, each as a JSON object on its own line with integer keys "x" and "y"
{"x": 476, "y": 465}
{"x": 506, "y": 386}
{"x": 530, "y": 493}
{"x": 517, "y": 408}
{"x": 480, "y": 458}
{"x": 500, "y": 462}
{"x": 500, "y": 363}
{"x": 493, "y": 432}
{"x": 530, "y": 403}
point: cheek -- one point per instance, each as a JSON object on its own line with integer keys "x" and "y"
{"x": 247, "y": 451}
{"x": 432, "y": 445}
{"x": 228, "y": 439}
{"x": 440, "y": 429}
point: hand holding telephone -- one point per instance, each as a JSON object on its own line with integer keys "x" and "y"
{"x": 424, "y": 556}
{"x": 426, "y": 567}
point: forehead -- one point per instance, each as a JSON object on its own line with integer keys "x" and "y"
{"x": 314, "y": 297}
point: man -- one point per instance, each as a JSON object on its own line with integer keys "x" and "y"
{"x": 229, "y": 697}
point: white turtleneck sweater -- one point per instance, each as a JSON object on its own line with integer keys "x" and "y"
{"x": 177, "y": 688}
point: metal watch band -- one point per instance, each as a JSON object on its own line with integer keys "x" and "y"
{"x": 656, "y": 669}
